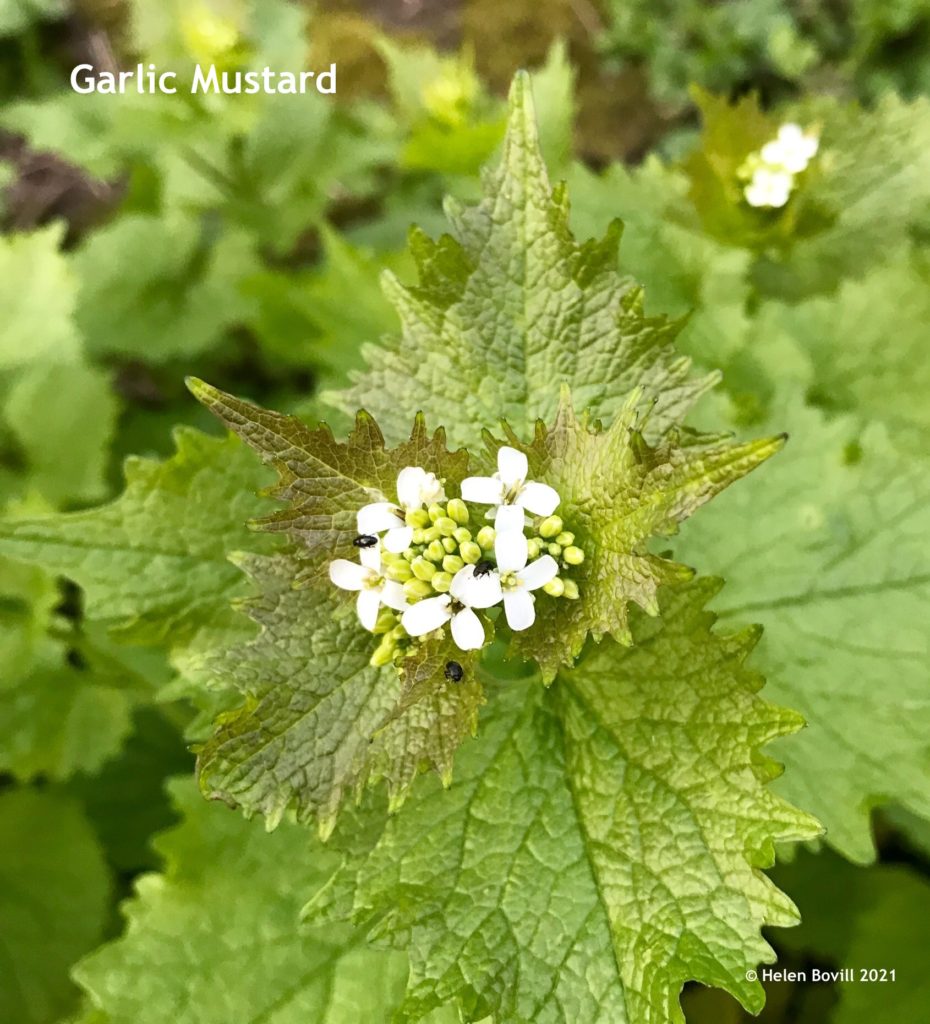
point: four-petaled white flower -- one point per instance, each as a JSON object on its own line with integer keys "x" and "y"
{"x": 373, "y": 589}
{"x": 510, "y": 491}
{"x": 769, "y": 187}
{"x": 792, "y": 149}
{"x": 415, "y": 488}
{"x": 518, "y": 579}
{"x": 467, "y": 591}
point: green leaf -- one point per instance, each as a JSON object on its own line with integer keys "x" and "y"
{"x": 319, "y": 721}
{"x": 37, "y": 299}
{"x": 156, "y": 287}
{"x": 512, "y": 306}
{"x": 233, "y": 894}
{"x": 54, "y": 902}
{"x": 59, "y": 719}
{"x": 324, "y": 481}
{"x": 617, "y": 493}
{"x": 684, "y": 270}
{"x": 885, "y": 374}
{"x": 154, "y": 562}
{"x": 66, "y": 447}
{"x": 602, "y": 842}
{"x": 828, "y": 550}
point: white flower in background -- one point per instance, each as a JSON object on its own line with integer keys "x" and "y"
{"x": 768, "y": 187}
{"x": 467, "y": 591}
{"x": 518, "y": 579}
{"x": 373, "y": 589}
{"x": 510, "y": 491}
{"x": 415, "y": 488}
{"x": 792, "y": 149}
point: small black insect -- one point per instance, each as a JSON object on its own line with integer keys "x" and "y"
{"x": 365, "y": 540}
{"x": 483, "y": 568}
{"x": 454, "y": 672}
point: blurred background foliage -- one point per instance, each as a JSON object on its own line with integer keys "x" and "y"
{"x": 241, "y": 239}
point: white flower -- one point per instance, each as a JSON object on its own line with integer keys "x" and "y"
{"x": 769, "y": 187}
{"x": 373, "y": 589}
{"x": 518, "y": 578}
{"x": 509, "y": 490}
{"x": 792, "y": 149}
{"x": 415, "y": 488}
{"x": 467, "y": 591}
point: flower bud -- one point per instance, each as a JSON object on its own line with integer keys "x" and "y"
{"x": 435, "y": 512}
{"x": 415, "y": 589}
{"x": 387, "y": 620}
{"x": 555, "y": 587}
{"x": 571, "y": 590}
{"x": 486, "y": 536}
{"x": 458, "y": 510}
{"x": 565, "y": 538}
{"x": 470, "y": 552}
{"x": 550, "y": 527}
{"x": 446, "y": 526}
{"x": 430, "y": 535}
{"x": 533, "y": 549}
{"x": 417, "y": 537}
{"x": 399, "y": 572}
{"x": 383, "y": 654}
{"x": 573, "y": 555}
{"x": 419, "y": 517}
{"x": 441, "y": 582}
{"x": 452, "y": 563}
{"x": 450, "y": 544}
{"x": 435, "y": 552}
{"x": 423, "y": 569}
{"x": 554, "y": 549}
{"x": 462, "y": 535}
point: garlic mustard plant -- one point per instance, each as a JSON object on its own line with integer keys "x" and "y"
{"x": 512, "y": 588}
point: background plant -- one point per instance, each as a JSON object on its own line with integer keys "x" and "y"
{"x": 243, "y": 244}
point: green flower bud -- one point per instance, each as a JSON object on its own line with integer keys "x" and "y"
{"x": 573, "y": 555}
{"x": 399, "y": 572}
{"x": 423, "y": 569}
{"x": 398, "y": 633}
{"x": 435, "y": 512}
{"x": 571, "y": 590}
{"x": 441, "y": 582}
{"x": 450, "y": 544}
{"x": 533, "y": 549}
{"x": 550, "y": 527}
{"x": 386, "y": 621}
{"x": 410, "y": 554}
{"x": 565, "y": 538}
{"x": 554, "y": 549}
{"x": 435, "y": 552}
{"x": 418, "y": 536}
{"x": 462, "y": 535}
{"x": 415, "y": 589}
{"x": 458, "y": 510}
{"x": 470, "y": 552}
{"x": 446, "y": 526}
{"x": 419, "y": 517}
{"x": 452, "y": 563}
{"x": 555, "y": 587}
{"x": 383, "y": 654}
{"x": 430, "y": 535}
{"x": 486, "y": 537}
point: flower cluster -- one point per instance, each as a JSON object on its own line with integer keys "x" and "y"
{"x": 426, "y": 563}
{"x": 770, "y": 174}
